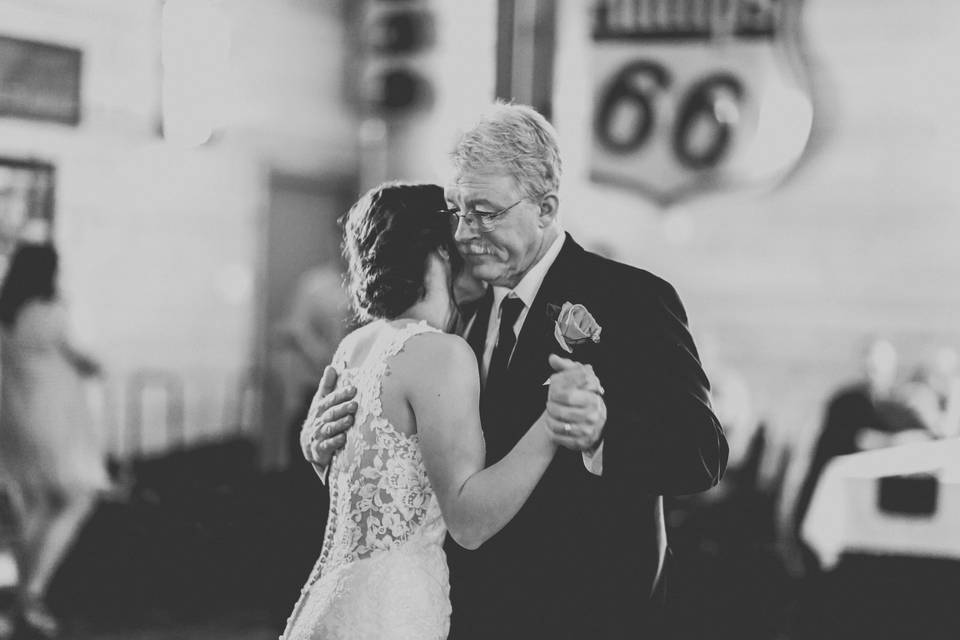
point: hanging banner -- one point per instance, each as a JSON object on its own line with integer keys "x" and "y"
{"x": 695, "y": 96}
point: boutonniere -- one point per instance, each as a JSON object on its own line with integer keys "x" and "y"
{"x": 573, "y": 325}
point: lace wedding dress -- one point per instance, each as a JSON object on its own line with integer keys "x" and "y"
{"x": 382, "y": 573}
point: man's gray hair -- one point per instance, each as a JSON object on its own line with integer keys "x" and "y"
{"x": 514, "y": 139}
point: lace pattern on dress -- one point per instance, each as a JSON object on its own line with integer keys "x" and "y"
{"x": 380, "y": 496}
{"x": 382, "y": 572}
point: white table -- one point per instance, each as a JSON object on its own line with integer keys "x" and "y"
{"x": 844, "y": 517}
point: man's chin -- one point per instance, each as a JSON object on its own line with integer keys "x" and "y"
{"x": 484, "y": 270}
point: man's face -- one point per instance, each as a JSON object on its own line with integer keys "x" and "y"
{"x": 504, "y": 254}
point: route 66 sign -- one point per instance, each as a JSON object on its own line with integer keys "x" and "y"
{"x": 693, "y": 96}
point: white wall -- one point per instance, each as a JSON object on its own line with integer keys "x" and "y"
{"x": 161, "y": 245}
{"x": 864, "y": 240}
{"x": 461, "y": 68}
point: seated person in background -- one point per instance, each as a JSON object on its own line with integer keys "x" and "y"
{"x": 923, "y": 407}
{"x": 870, "y": 414}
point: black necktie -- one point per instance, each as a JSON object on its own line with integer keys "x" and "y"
{"x": 510, "y": 309}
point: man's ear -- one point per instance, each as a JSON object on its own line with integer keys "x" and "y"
{"x": 549, "y": 209}
{"x": 444, "y": 253}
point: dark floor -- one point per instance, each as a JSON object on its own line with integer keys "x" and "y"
{"x": 212, "y": 631}
{"x": 193, "y": 633}
{"x": 155, "y": 624}
{"x": 234, "y": 627}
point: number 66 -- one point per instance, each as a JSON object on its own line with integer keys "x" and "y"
{"x": 706, "y": 105}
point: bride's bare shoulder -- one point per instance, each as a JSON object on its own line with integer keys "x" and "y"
{"x": 432, "y": 344}
{"x": 437, "y": 357}
{"x": 357, "y": 343}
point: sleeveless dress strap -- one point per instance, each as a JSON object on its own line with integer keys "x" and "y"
{"x": 390, "y": 344}
{"x": 401, "y": 335}
{"x": 339, "y": 360}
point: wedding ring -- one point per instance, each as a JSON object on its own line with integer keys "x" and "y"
{"x": 567, "y": 428}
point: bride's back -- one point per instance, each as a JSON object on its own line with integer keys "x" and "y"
{"x": 385, "y": 530}
{"x": 382, "y": 572}
{"x": 380, "y": 495}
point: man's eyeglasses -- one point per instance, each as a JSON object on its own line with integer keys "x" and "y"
{"x": 481, "y": 220}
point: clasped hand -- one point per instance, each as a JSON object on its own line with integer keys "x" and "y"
{"x": 575, "y": 413}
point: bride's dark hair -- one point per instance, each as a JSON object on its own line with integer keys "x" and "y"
{"x": 388, "y": 235}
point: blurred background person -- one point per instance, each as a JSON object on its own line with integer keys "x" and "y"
{"x": 873, "y": 413}
{"x": 884, "y": 410}
{"x": 852, "y": 415}
{"x": 303, "y": 345}
{"x": 51, "y": 454}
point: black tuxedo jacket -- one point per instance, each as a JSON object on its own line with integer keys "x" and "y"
{"x": 580, "y": 559}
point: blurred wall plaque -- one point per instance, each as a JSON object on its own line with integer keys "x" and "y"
{"x": 26, "y": 201}
{"x": 693, "y": 96}
{"x": 39, "y": 81}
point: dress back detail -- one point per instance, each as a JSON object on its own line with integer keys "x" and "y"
{"x": 380, "y": 496}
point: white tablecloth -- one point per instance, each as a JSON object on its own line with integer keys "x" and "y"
{"x": 844, "y": 516}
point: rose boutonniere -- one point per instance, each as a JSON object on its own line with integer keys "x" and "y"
{"x": 573, "y": 325}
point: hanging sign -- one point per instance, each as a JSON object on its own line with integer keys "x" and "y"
{"x": 39, "y": 81}
{"x": 693, "y": 96}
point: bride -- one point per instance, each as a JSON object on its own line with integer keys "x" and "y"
{"x": 412, "y": 468}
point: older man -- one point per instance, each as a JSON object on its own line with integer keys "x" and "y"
{"x": 584, "y": 558}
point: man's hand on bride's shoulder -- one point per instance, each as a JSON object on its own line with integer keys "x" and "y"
{"x": 576, "y": 412}
{"x": 331, "y": 414}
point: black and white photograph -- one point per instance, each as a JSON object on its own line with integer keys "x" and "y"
{"x": 474, "y": 320}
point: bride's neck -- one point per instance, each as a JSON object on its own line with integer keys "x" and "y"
{"x": 436, "y": 306}
{"x": 436, "y": 313}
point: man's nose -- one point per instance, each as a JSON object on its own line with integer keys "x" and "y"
{"x": 463, "y": 231}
